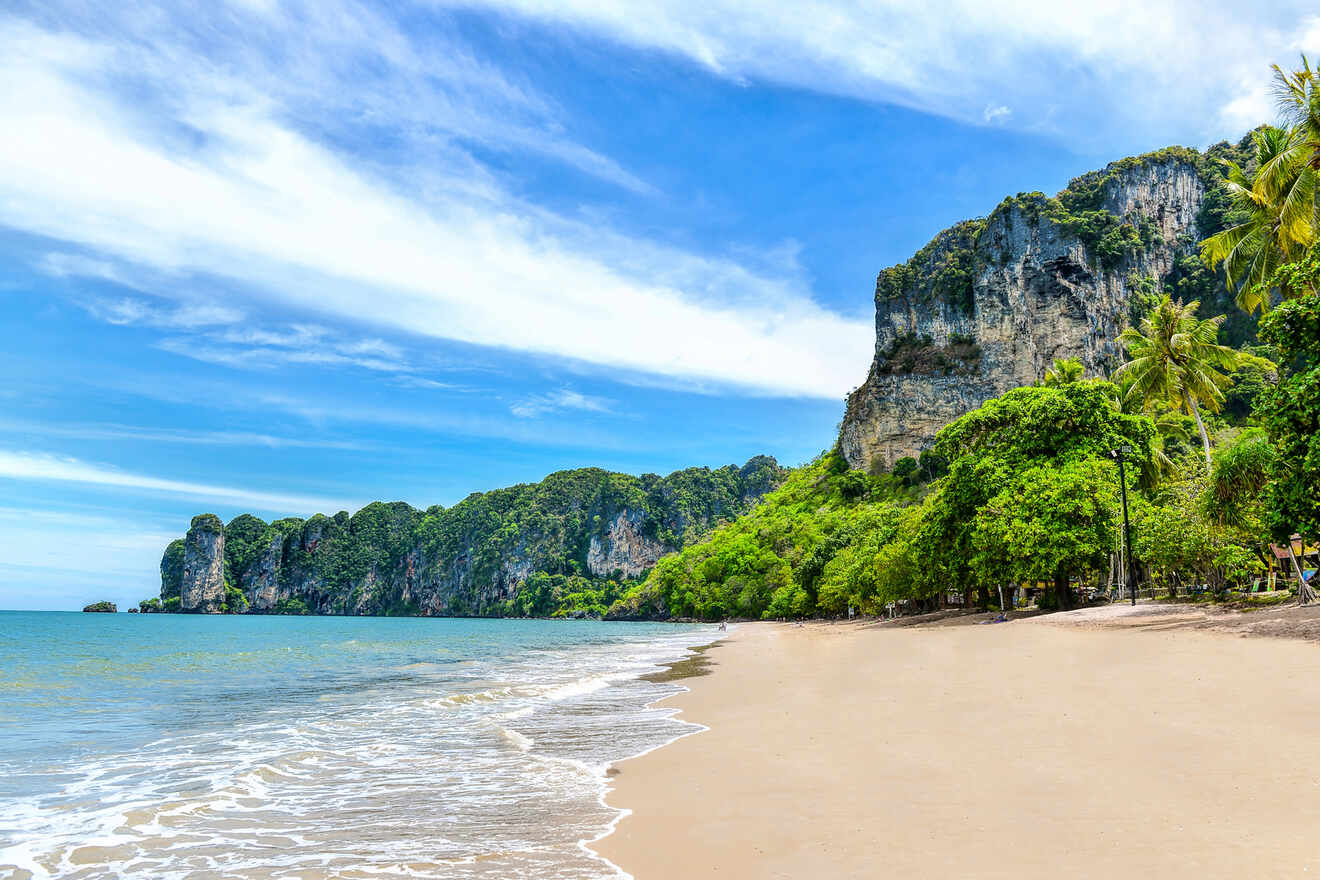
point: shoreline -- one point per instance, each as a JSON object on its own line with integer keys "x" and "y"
{"x": 1044, "y": 746}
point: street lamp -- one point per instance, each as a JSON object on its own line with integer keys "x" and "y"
{"x": 1121, "y": 453}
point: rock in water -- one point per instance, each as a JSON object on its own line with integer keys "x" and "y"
{"x": 101, "y": 608}
{"x": 203, "y": 587}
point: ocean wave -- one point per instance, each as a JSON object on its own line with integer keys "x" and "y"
{"x": 500, "y": 774}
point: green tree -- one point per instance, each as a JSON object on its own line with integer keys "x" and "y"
{"x": 989, "y": 451}
{"x": 1290, "y": 412}
{"x": 1298, "y": 95}
{"x": 1048, "y": 524}
{"x": 1064, "y": 372}
{"x": 1270, "y": 199}
{"x": 1176, "y": 358}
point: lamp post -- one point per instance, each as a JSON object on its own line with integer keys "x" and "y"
{"x": 1121, "y": 453}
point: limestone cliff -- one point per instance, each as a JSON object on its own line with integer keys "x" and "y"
{"x": 574, "y": 532}
{"x": 202, "y": 590}
{"x": 990, "y": 304}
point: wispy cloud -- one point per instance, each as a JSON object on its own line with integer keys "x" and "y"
{"x": 215, "y": 337}
{"x": 221, "y": 181}
{"x": 43, "y": 467}
{"x": 564, "y": 398}
{"x": 431, "y": 420}
{"x": 263, "y": 348}
{"x": 187, "y": 316}
{"x": 1177, "y": 70}
{"x": 165, "y": 435}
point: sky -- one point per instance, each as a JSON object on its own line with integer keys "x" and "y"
{"x": 285, "y": 258}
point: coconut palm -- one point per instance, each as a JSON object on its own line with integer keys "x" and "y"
{"x": 1298, "y": 96}
{"x": 1277, "y": 228}
{"x": 1064, "y": 372}
{"x": 1176, "y": 358}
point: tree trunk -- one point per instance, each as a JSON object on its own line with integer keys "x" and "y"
{"x": 1305, "y": 595}
{"x": 1205, "y": 438}
{"x": 1061, "y": 591}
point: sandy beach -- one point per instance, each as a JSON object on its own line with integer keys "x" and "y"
{"x": 1028, "y": 749}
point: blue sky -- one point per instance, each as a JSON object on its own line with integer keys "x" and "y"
{"x": 284, "y": 258}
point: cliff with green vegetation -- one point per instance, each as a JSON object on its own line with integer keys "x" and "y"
{"x": 990, "y": 304}
{"x": 570, "y": 544}
{"x": 1018, "y": 500}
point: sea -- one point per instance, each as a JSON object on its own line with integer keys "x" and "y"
{"x": 186, "y": 746}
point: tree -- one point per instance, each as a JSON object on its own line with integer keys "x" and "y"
{"x": 1176, "y": 358}
{"x": 1290, "y": 412}
{"x": 1270, "y": 199}
{"x": 1064, "y": 372}
{"x": 1038, "y": 430}
{"x": 1278, "y": 199}
{"x": 1298, "y": 95}
{"x": 1050, "y": 523}
{"x": 1238, "y": 480}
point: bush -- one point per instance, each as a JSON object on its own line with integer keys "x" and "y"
{"x": 291, "y": 606}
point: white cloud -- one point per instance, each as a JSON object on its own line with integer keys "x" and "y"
{"x": 166, "y": 435}
{"x": 263, "y": 205}
{"x": 186, "y": 316}
{"x": 42, "y": 467}
{"x": 564, "y": 398}
{"x": 997, "y": 115}
{"x": 1158, "y": 70}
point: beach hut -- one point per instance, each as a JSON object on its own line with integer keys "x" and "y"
{"x": 1308, "y": 557}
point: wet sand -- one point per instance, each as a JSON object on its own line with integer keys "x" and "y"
{"x": 1025, "y": 750}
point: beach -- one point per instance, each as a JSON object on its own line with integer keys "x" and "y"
{"x": 1028, "y": 749}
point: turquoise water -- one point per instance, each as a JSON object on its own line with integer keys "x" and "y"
{"x": 189, "y": 746}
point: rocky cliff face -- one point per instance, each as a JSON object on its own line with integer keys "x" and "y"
{"x": 623, "y": 548}
{"x": 202, "y": 590}
{"x": 584, "y": 527}
{"x": 990, "y": 304}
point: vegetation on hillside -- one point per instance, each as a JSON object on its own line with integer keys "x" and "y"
{"x": 327, "y": 563}
{"x": 1031, "y": 493}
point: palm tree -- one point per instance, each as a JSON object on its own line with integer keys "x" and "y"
{"x": 1277, "y": 228}
{"x": 1176, "y": 358}
{"x": 1064, "y": 372}
{"x": 1298, "y": 96}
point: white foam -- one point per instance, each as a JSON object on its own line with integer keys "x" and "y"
{"x": 331, "y": 780}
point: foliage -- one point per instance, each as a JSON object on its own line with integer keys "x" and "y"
{"x": 1240, "y": 473}
{"x": 171, "y": 570}
{"x": 235, "y": 601}
{"x": 1199, "y": 528}
{"x": 1025, "y": 448}
{"x": 804, "y": 550}
{"x": 830, "y": 538}
{"x": 1176, "y": 359}
{"x": 942, "y": 271}
{"x": 1272, "y": 229}
{"x": 1064, "y": 372}
{"x": 1290, "y": 412}
{"x": 1276, "y": 201}
{"x": 358, "y": 564}
{"x": 1047, "y": 522}
{"x": 291, "y": 606}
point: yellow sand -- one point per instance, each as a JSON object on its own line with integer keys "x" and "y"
{"x": 1017, "y": 750}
